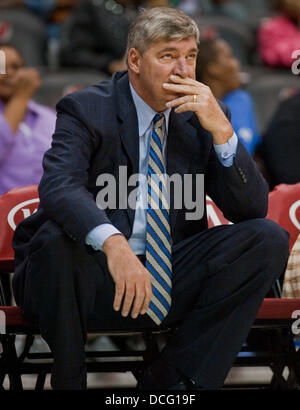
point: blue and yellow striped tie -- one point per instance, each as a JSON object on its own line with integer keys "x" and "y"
{"x": 158, "y": 239}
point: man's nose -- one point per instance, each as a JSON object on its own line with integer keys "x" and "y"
{"x": 181, "y": 68}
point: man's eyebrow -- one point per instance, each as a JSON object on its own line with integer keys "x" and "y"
{"x": 193, "y": 50}
{"x": 168, "y": 49}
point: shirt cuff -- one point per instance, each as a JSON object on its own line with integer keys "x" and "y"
{"x": 99, "y": 234}
{"x": 226, "y": 152}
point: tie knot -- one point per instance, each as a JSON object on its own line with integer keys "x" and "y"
{"x": 158, "y": 126}
{"x": 158, "y": 120}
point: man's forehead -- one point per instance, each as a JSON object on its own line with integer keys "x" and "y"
{"x": 162, "y": 44}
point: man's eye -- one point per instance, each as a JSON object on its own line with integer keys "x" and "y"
{"x": 167, "y": 56}
{"x": 192, "y": 56}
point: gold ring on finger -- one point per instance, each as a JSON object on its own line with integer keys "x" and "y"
{"x": 195, "y": 98}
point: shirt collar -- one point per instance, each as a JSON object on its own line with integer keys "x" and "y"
{"x": 145, "y": 113}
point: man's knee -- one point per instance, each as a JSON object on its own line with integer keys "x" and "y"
{"x": 274, "y": 245}
{"x": 50, "y": 240}
{"x": 53, "y": 257}
{"x": 271, "y": 233}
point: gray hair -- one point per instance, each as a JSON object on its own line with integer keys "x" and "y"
{"x": 160, "y": 23}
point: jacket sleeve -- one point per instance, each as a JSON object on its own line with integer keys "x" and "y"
{"x": 63, "y": 192}
{"x": 240, "y": 190}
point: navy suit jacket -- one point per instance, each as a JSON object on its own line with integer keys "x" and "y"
{"x": 96, "y": 132}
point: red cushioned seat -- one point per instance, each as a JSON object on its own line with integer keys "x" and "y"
{"x": 278, "y": 308}
{"x": 14, "y": 317}
{"x": 15, "y": 205}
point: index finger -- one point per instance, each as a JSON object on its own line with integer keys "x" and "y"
{"x": 180, "y": 88}
{"x": 176, "y": 79}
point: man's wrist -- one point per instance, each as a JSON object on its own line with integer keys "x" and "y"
{"x": 113, "y": 242}
{"x": 222, "y": 136}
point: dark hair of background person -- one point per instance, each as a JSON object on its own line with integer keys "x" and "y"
{"x": 217, "y": 66}
{"x": 207, "y": 53}
{"x": 291, "y": 8}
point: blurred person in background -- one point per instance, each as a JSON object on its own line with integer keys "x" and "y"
{"x": 279, "y": 36}
{"x": 26, "y": 127}
{"x": 6, "y": 4}
{"x": 95, "y": 35}
{"x": 280, "y": 147}
{"x": 226, "y": 8}
{"x": 55, "y": 10}
{"x": 52, "y": 13}
{"x": 219, "y": 69}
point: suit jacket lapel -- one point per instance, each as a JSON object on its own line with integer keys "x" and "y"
{"x": 128, "y": 122}
{"x": 128, "y": 129}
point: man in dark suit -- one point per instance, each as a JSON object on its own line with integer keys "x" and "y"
{"x": 89, "y": 256}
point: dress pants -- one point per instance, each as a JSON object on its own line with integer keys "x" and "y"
{"x": 220, "y": 277}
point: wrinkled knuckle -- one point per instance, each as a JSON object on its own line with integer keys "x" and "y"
{"x": 140, "y": 297}
{"x": 119, "y": 288}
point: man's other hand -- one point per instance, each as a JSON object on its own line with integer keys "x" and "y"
{"x": 132, "y": 279}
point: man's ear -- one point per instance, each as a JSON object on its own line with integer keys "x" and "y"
{"x": 134, "y": 60}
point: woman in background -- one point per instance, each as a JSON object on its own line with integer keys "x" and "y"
{"x": 219, "y": 69}
{"x": 279, "y": 36}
